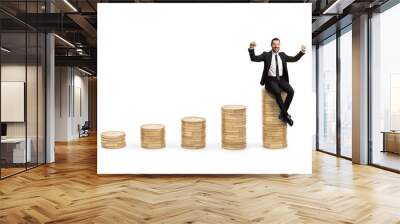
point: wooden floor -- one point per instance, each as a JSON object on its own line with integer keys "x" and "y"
{"x": 70, "y": 191}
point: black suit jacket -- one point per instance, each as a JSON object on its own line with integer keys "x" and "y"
{"x": 266, "y": 58}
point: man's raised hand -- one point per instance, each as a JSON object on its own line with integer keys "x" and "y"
{"x": 252, "y": 44}
{"x": 303, "y": 48}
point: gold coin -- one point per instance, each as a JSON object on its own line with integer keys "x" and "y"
{"x": 233, "y": 107}
{"x": 193, "y": 119}
{"x": 152, "y": 126}
{"x": 112, "y": 134}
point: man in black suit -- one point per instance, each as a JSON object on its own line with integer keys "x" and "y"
{"x": 275, "y": 75}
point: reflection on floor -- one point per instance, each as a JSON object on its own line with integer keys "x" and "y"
{"x": 386, "y": 159}
{"x": 11, "y": 169}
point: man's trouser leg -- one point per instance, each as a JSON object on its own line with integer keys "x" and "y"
{"x": 285, "y": 86}
{"x": 272, "y": 86}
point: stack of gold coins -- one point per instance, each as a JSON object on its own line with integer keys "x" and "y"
{"x": 233, "y": 126}
{"x": 193, "y": 132}
{"x": 152, "y": 136}
{"x": 113, "y": 139}
{"x": 274, "y": 130}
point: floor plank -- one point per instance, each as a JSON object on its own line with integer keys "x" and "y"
{"x": 70, "y": 191}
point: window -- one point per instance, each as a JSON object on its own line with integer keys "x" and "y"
{"x": 346, "y": 92}
{"x": 327, "y": 95}
{"x": 385, "y": 89}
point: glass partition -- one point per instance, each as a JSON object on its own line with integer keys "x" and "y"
{"x": 13, "y": 109}
{"x": 22, "y": 67}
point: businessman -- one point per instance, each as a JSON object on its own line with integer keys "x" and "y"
{"x": 275, "y": 75}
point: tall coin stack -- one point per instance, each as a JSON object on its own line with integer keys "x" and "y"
{"x": 274, "y": 130}
{"x": 233, "y": 126}
{"x": 193, "y": 132}
{"x": 152, "y": 136}
{"x": 113, "y": 139}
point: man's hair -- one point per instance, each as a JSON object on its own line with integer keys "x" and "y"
{"x": 275, "y": 38}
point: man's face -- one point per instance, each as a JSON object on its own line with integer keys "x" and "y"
{"x": 275, "y": 45}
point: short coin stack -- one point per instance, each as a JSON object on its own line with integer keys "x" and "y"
{"x": 274, "y": 130}
{"x": 233, "y": 126}
{"x": 152, "y": 136}
{"x": 193, "y": 132}
{"x": 113, "y": 139}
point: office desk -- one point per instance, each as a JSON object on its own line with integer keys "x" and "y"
{"x": 15, "y": 148}
{"x": 391, "y": 141}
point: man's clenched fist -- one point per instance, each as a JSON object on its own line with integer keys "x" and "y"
{"x": 303, "y": 48}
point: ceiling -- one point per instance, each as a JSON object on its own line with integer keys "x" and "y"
{"x": 76, "y": 22}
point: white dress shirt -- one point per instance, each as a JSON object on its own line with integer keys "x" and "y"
{"x": 272, "y": 68}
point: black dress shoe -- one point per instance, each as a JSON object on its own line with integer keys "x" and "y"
{"x": 286, "y": 118}
{"x": 289, "y": 120}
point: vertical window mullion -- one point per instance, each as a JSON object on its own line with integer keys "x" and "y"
{"x": 37, "y": 89}
{"x": 338, "y": 73}
{"x": 369, "y": 91}
{"x": 26, "y": 86}
{"x": 317, "y": 94}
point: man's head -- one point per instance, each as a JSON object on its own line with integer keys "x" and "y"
{"x": 275, "y": 44}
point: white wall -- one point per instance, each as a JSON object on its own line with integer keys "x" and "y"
{"x": 193, "y": 67}
{"x": 70, "y": 81}
{"x": 80, "y": 84}
{"x": 12, "y": 73}
{"x": 33, "y": 127}
{"x": 62, "y": 81}
{"x": 16, "y": 73}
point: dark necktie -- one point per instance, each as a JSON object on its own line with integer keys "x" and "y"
{"x": 276, "y": 66}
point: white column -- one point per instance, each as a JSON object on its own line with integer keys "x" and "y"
{"x": 50, "y": 93}
{"x": 360, "y": 90}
